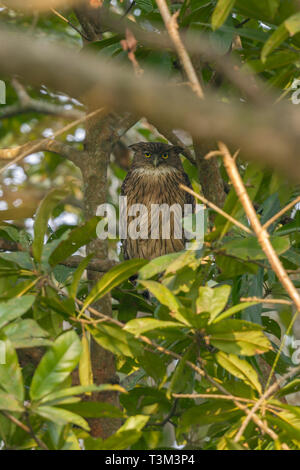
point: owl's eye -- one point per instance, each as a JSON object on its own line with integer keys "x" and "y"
{"x": 165, "y": 155}
{"x": 147, "y": 154}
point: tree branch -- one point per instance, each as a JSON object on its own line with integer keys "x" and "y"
{"x": 281, "y": 212}
{"x": 39, "y": 4}
{"x": 27, "y": 104}
{"x": 172, "y": 27}
{"x": 195, "y": 44}
{"x": 217, "y": 209}
{"x": 40, "y": 145}
{"x": 259, "y": 131}
{"x": 96, "y": 265}
{"x": 35, "y": 147}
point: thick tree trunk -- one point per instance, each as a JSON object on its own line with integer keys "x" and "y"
{"x": 94, "y": 173}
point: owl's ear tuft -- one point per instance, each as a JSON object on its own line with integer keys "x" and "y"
{"x": 136, "y": 146}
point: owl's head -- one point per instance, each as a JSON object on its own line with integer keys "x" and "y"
{"x": 156, "y": 155}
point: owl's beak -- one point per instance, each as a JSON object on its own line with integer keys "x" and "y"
{"x": 155, "y": 160}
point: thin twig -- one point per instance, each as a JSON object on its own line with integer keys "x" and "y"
{"x": 172, "y": 27}
{"x": 262, "y": 425}
{"x": 217, "y": 396}
{"x": 217, "y": 209}
{"x": 14, "y": 420}
{"x": 36, "y": 147}
{"x": 241, "y": 24}
{"x": 281, "y": 212}
{"x": 169, "y": 415}
{"x": 70, "y": 24}
{"x": 34, "y": 436}
{"x": 261, "y": 232}
{"x": 270, "y": 391}
{"x": 129, "y": 8}
{"x": 266, "y": 301}
{"x": 25, "y": 428}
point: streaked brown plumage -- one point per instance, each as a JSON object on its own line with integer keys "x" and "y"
{"x": 154, "y": 178}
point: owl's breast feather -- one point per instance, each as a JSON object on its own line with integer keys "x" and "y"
{"x": 159, "y": 186}
{"x": 155, "y": 186}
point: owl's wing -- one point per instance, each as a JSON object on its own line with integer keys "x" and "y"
{"x": 123, "y": 193}
{"x": 124, "y": 184}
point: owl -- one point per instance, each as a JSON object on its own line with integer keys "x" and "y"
{"x": 153, "y": 181}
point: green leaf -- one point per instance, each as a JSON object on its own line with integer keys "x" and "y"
{"x": 145, "y": 5}
{"x": 26, "y": 334}
{"x": 271, "y": 326}
{"x": 76, "y": 238}
{"x": 211, "y": 412}
{"x": 231, "y": 445}
{"x": 153, "y": 365}
{"x": 59, "y": 396}
{"x": 240, "y": 368}
{"x": 231, "y": 267}
{"x": 190, "y": 258}
{"x": 112, "y": 278}
{"x": 14, "y": 308}
{"x": 137, "y": 422}
{"x": 41, "y": 221}
{"x": 182, "y": 378}
{"x": 221, "y": 13}
{"x": 11, "y": 380}
{"x": 78, "y": 275}
{"x": 231, "y": 311}
{"x": 261, "y": 10}
{"x": 21, "y": 258}
{"x": 279, "y": 35}
{"x": 292, "y": 387}
{"x": 11, "y": 231}
{"x": 144, "y": 324}
{"x": 163, "y": 294}
{"x": 99, "y": 45}
{"x": 167, "y": 298}
{"x": 250, "y": 249}
{"x": 49, "y": 248}
{"x": 288, "y": 420}
{"x": 10, "y": 403}
{"x": 212, "y": 300}
{"x": 56, "y": 365}
{"x": 85, "y": 363}
{"x": 61, "y": 416}
{"x": 238, "y": 337}
{"x": 292, "y": 24}
{"x": 116, "y": 340}
{"x": 157, "y": 265}
{"x": 276, "y": 60}
{"x": 121, "y": 440}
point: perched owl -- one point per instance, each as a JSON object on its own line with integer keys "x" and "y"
{"x": 154, "y": 180}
